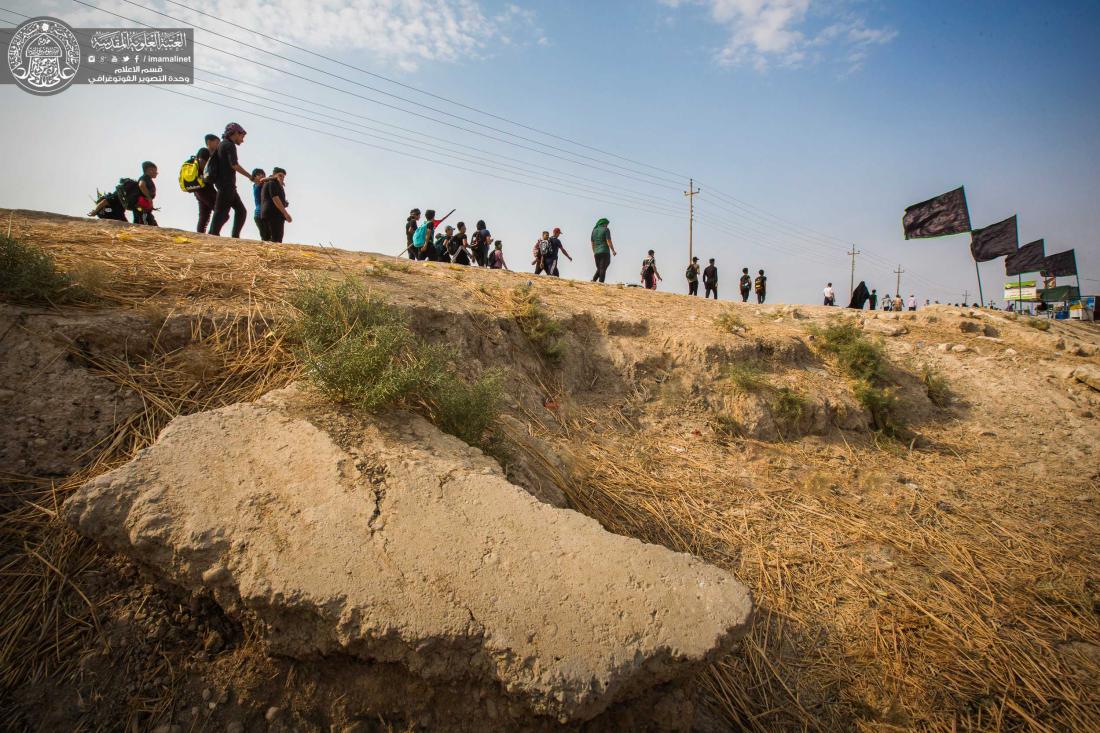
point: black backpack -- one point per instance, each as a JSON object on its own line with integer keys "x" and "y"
{"x": 127, "y": 193}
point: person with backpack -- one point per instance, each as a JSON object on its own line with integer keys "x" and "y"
{"x": 650, "y": 276}
{"x": 273, "y": 205}
{"x": 421, "y": 239}
{"x": 602, "y": 249}
{"x": 692, "y": 275}
{"x": 541, "y": 249}
{"x": 710, "y": 279}
{"x": 193, "y": 180}
{"x": 496, "y": 257}
{"x": 410, "y": 229}
{"x": 459, "y": 251}
{"x": 109, "y": 206}
{"x": 745, "y": 284}
{"x": 480, "y": 243}
{"x": 556, "y": 248}
{"x": 223, "y": 169}
{"x": 258, "y": 179}
{"x": 147, "y": 187}
{"x": 761, "y": 287}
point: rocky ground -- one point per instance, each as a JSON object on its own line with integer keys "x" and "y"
{"x": 943, "y": 578}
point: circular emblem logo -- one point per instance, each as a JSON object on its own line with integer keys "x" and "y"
{"x": 44, "y": 56}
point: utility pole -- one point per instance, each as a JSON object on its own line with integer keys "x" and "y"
{"x": 691, "y": 193}
{"x": 852, "y": 280}
{"x": 898, "y": 272}
{"x": 966, "y": 296}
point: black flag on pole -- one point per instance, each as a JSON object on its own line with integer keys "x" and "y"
{"x": 945, "y": 214}
{"x": 1062, "y": 263}
{"x": 995, "y": 240}
{"x": 1029, "y": 258}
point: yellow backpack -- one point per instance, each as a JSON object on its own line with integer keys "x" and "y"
{"x": 191, "y": 175}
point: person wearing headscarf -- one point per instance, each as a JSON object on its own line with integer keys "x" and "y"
{"x": 860, "y": 296}
{"x": 602, "y": 249}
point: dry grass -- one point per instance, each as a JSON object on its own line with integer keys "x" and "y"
{"x": 48, "y": 615}
{"x": 882, "y": 605}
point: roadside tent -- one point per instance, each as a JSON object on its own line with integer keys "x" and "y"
{"x": 1059, "y": 294}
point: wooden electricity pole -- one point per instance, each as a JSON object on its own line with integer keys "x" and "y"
{"x": 898, "y": 272}
{"x": 691, "y": 193}
{"x": 852, "y": 280}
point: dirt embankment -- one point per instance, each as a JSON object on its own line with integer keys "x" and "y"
{"x": 943, "y": 578}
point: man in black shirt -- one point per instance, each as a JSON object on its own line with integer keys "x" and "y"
{"x": 143, "y": 213}
{"x": 225, "y": 182}
{"x": 710, "y": 279}
{"x": 550, "y": 261}
{"x": 410, "y": 229}
{"x": 746, "y": 284}
{"x": 273, "y": 205}
{"x": 206, "y": 195}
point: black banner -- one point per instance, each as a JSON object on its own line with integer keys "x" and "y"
{"x": 1062, "y": 263}
{"x": 995, "y": 240}
{"x": 1029, "y": 258}
{"x": 945, "y": 214}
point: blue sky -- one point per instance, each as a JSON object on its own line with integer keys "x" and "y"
{"x": 809, "y": 124}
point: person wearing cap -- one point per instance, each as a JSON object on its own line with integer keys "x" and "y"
{"x": 273, "y": 205}
{"x": 602, "y": 249}
{"x": 225, "y": 182}
{"x": 692, "y": 275}
{"x": 550, "y": 261}
{"x": 410, "y": 229}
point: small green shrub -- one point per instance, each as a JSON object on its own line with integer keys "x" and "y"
{"x": 359, "y": 350}
{"x": 884, "y": 407}
{"x": 730, "y": 322}
{"x": 1042, "y": 324}
{"x": 543, "y": 331}
{"x": 936, "y": 386}
{"x": 746, "y": 376}
{"x": 857, "y": 355}
{"x": 789, "y": 407}
{"x": 29, "y": 275}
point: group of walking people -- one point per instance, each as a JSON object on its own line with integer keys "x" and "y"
{"x": 709, "y": 274}
{"x": 211, "y": 175}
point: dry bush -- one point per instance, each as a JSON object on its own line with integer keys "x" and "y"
{"x": 730, "y": 322}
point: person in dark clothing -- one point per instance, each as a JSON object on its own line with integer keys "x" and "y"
{"x": 710, "y": 279}
{"x": 550, "y": 262}
{"x": 745, "y": 284}
{"x": 428, "y": 250}
{"x": 496, "y": 257}
{"x": 143, "y": 212}
{"x": 410, "y": 229}
{"x": 258, "y": 179}
{"x": 205, "y": 195}
{"x": 602, "y": 249}
{"x": 540, "y": 251}
{"x": 273, "y": 205}
{"x": 459, "y": 251}
{"x": 650, "y": 276}
{"x": 692, "y": 275}
{"x": 860, "y": 296}
{"x": 873, "y": 299}
{"x": 480, "y": 243}
{"x": 225, "y": 181}
{"x": 761, "y": 287}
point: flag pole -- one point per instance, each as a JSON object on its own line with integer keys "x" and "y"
{"x": 981, "y": 298}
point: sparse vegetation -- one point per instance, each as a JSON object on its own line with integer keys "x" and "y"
{"x": 543, "y": 331}
{"x": 789, "y": 406}
{"x": 1041, "y": 324}
{"x": 730, "y": 322}
{"x": 746, "y": 376}
{"x": 936, "y": 386}
{"x": 882, "y": 403}
{"x": 864, "y": 361}
{"x": 29, "y": 275}
{"x": 360, "y": 350}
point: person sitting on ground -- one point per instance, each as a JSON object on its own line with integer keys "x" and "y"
{"x": 830, "y": 294}
{"x": 109, "y": 206}
{"x": 650, "y": 276}
{"x": 602, "y": 249}
{"x": 540, "y": 251}
{"x": 410, "y": 229}
{"x": 550, "y": 263}
{"x": 460, "y": 252}
{"x": 258, "y": 178}
{"x": 692, "y": 275}
{"x": 710, "y": 279}
{"x": 273, "y": 205}
{"x": 496, "y": 257}
{"x": 761, "y": 286}
{"x": 143, "y": 212}
{"x": 745, "y": 284}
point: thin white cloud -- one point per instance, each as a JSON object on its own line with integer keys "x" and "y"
{"x": 790, "y": 33}
{"x": 398, "y": 34}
